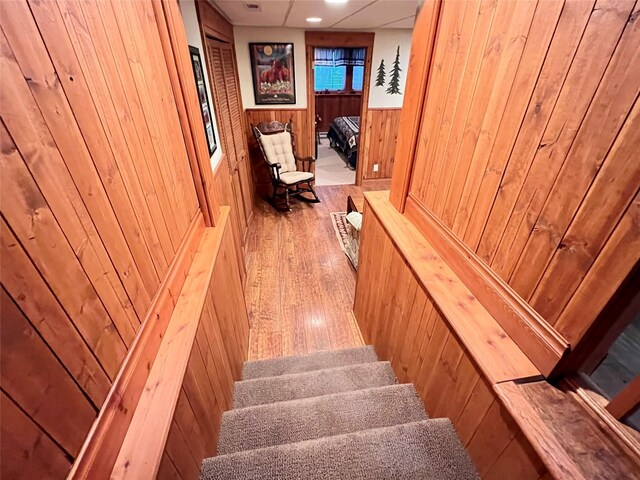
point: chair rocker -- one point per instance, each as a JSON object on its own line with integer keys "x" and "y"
{"x": 277, "y": 143}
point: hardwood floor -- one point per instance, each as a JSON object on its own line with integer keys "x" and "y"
{"x": 300, "y": 285}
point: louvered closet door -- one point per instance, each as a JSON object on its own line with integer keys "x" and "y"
{"x": 234, "y": 102}
{"x": 239, "y": 141}
{"x": 223, "y": 77}
{"x": 216, "y": 76}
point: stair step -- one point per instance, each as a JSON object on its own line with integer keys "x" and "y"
{"x": 305, "y": 363}
{"x": 260, "y": 391}
{"x": 426, "y": 449}
{"x": 294, "y": 421}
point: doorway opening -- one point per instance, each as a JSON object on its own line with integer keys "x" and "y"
{"x": 338, "y": 81}
{"x": 338, "y": 72}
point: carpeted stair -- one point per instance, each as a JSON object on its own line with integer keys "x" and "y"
{"x": 332, "y": 415}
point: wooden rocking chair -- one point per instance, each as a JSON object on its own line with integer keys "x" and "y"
{"x": 277, "y": 143}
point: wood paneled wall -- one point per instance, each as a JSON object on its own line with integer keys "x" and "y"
{"x": 97, "y": 196}
{"x": 527, "y": 147}
{"x": 215, "y": 362}
{"x": 190, "y": 383}
{"x": 379, "y": 144}
{"x": 332, "y": 105}
{"x": 240, "y": 218}
{"x": 401, "y": 319}
{"x": 300, "y": 129}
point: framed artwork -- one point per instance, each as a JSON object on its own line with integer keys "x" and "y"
{"x": 203, "y": 98}
{"x": 273, "y": 73}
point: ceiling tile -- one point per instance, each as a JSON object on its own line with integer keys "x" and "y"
{"x": 271, "y": 13}
{"x": 329, "y": 12}
{"x": 408, "y": 22}
{"x": 380, "y": 13}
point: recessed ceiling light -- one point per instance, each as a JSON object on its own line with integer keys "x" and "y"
{"x": 336, "y": 1}
{"x": 314, "y": 19}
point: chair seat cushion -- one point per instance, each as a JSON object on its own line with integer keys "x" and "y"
{"x": 294, "y": 177}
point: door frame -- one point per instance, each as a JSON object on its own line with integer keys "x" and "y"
{"x": 365, "y": 40}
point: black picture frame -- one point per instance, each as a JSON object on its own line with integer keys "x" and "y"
{"x": 203, "y": 98}
{"x": 273, "y": 72}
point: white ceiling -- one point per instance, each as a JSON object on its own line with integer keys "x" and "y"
{"x": 352, "y": 15}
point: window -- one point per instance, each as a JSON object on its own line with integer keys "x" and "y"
{"x": 338, "y": 69}
{"x": 329, "y": 78}
{"x": 357, "y": 79}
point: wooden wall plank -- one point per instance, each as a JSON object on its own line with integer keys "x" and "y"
{"x": 568, "y": 118}
{"x": 561, "y": 51}
{"x": 512, "y": 161}
{"x": 34, "y": 297}
{"x": 36, "y": 381}
{"x": 98, "y": 197}
{"x": 379, "y": 143}
{"x": 26, "y": 450}
{"x": 591, "y": 226}
{"x": 107, "y": 151}
{"x": 49, "y": 99}
{"x": 43, "y": 239}
{"x": 191, "y": 381}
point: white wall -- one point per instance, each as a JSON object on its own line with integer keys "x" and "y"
{"x": 385, "y": 46}
{"x": 190, "y": 20}
{"x": 245, "y": 35}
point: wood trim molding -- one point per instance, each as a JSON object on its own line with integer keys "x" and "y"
{"x": 175, "y": 46}
{"x": 101, "y": 447}
{"x": 213, "y": 23}
{"x": 415, "y": 91}
{"x": 626, "y": 401}
{"x": 339, "y": 39}
{"x": 142, "y": 447}
{"x": 270, "y": 108}
{"x": 497, "y": 355}
{"x": 381, "y": 109}
{"x": 316, "y": 38}
{"x": 544, "y": 346}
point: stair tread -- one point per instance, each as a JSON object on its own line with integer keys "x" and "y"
{"x": 418, "y": 450}
{"x": 260, "y": 391}
{"x": 298, "y": 420}
{"x": 304, "y": 363}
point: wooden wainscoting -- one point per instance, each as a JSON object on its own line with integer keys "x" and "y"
{"x": 227, "y": 187}
{"x": 332, "y": 105}
{"x": 379, "y": 143}
{"x": 190, "y": 382}
{"x": 534, "y": 179}
{"x": 430, "y": 340}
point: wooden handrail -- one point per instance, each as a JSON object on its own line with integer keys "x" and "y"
{"x": 144, "y": 443}
{"x": 99, "y": 452}
{"x": 567, "y": 440}
{"x": 496, "y": 353}
{"x": 544, "y": 346}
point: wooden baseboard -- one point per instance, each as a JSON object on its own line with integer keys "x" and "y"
{"x": 542, "y": 344}
{"x": 100, "y": 450}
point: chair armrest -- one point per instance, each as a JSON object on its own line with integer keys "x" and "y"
{"x": 275, "y": 169}
{"x": 306, "y": 162}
